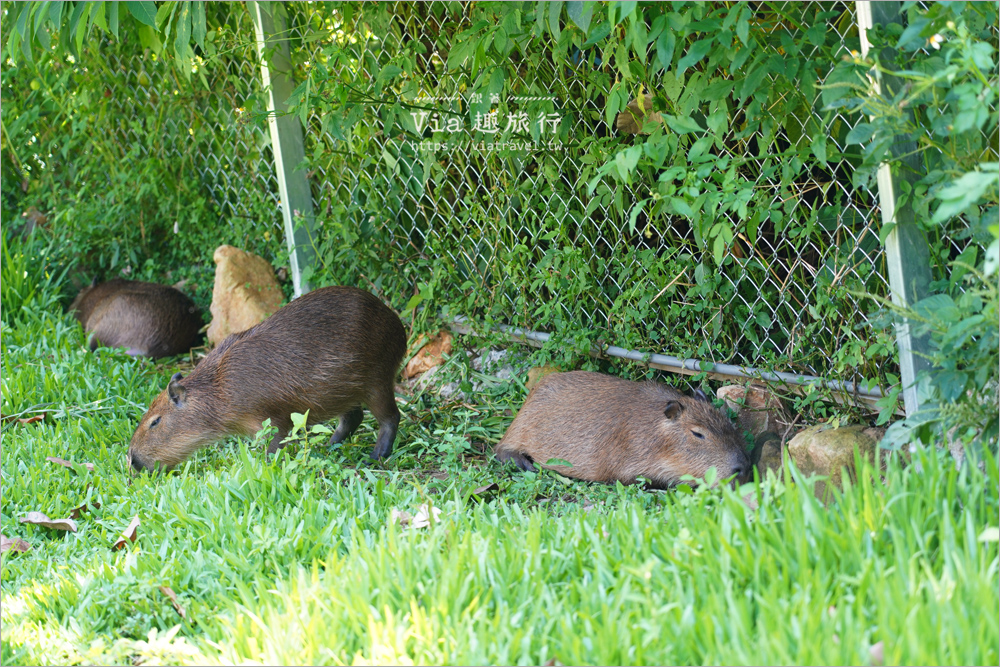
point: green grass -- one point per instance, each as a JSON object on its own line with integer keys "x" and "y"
{"x": 297, "y": 560}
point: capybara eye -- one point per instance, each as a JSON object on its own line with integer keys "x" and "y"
{"x": 698, "y": 435}
{"x": 154, "y": 422}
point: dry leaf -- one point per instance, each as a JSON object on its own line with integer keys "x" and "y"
{"x": 536, "y": 374}
{"x": 173, "y": 600}
{"x": 15, "y": 543}
{"x": 32, "y": 420}
{"x": 39, "y": 519}
{"x": 440, "y": 476}
{"x": 430, "y": 355}
{"x": 82, "y": 509}
{"x": 423, "y": 517}
{"x": 68, "y": 464}
{"x": 421, "y": 520}
{"x": 877, "y": 653}
{"x": 129, "y": 534}
{"x": 400, "y": 517}
{"x": 488, "y": 488}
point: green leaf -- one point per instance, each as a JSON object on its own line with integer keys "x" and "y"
{"x": 965, "y": 192}
{"x": 697, "y": 51}
{"x": 144, "y": 11}
{"x": 555, "y": 11}
{"x": 580, "y": 13}
{"x": 182, "y": 38}
{"x": 682, "y": 125}
{"x": 939, "y": 307}
{"x": 198, "y": 27}
{"x": 860, "y": 133}
{"x": 818, "y": 147}
{"x": 665, "y": 45}
{"x": 113, "y": 18}
{"x": 164, "y": 13}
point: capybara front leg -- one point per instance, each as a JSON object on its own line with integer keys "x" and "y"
{"x": 276, "y": 443}
{"x": 348, "y": 423}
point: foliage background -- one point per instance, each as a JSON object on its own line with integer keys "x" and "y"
{"x": 742, "y": 229}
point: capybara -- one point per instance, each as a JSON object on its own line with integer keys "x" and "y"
{"x": 612, "y": 429}
{"x": 329, "y": 352}
{"x": 146, "y": 318}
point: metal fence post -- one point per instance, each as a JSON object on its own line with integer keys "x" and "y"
{"x": 907, "y": 252}
{"x": 286, "y": 139}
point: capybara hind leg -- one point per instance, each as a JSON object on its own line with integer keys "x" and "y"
{"x": 387, "y": 414}
{"x": 522, "y": 461}
{"x": 348, "y": 423}
{"x": 276, "y": 443}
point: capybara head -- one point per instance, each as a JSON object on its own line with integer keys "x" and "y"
{"x": 175, "y": 425}
{"x": 693, "y": 437}
{"x": 611, "y": 429}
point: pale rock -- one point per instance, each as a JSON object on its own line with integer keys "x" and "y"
{"x": 245, "y": 293}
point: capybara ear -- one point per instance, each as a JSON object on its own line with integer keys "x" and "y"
{"x": 673, "y": 410}
{"x": 176, "y": 377}
{"x": 700, "y": 395}
{"x": 176, "y": 391}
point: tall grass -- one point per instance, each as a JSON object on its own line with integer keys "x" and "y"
{"x": 299, "y": 561}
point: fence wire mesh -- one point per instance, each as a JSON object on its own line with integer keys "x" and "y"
{"x": 531, "y": 240}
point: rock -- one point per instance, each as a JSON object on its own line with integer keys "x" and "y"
{"x": 245, "y": 293}
{"x": 537, "y": 373}
{"x": 822, "y": 450}
{"x": 758, "y": 410}
{"x": 632, "y": 119}
{"x": 488, "y": 360}
{"x": 770, "y": 454}
{"x": 430, "y": 355}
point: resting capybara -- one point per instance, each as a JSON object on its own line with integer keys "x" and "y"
{"x": 146, "y": 318}
{"x": 611, "y": 429}
{"x": 329, "y": 352}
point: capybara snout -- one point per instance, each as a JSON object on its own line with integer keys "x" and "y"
{"x": 611, "y": 429}
{"x": 330, "y": 352}
{"x": 145, "y": 318}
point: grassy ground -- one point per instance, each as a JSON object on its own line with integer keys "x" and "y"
{"x": 299, "y": 561}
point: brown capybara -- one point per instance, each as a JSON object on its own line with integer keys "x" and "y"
{"x": 329, "y": 352}
{"x": 146, "y": 318}
{"x": 611, "y": 429}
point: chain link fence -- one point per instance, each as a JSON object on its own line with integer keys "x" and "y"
{"x": 527, "y": 236}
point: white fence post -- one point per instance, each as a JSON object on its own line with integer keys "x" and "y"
{"x": 286, "y": 139}
{"x": 907, "y": 252}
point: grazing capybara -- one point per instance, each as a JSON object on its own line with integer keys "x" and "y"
{"x": 147, "y": 319}
{"x": 329, "y": 352}
{"x": 611, "y": 429}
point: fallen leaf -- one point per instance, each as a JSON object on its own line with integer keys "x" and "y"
{"x": 877, "y": 653}
{"x": 400, "y": 517}
{"x": 15, "y": 543}
{"x": 488, "y": 488}
{"x": 82, "y": 509}
{"x": 32, "y": 420}
{"x": 39, "y": 519}
{"x": 430, "y": 355}
{"x": 537, "y": 373}
{"x": 421, "y": 520}
{"x": 173, "y": 600}
{"x": 440, "y": 476}
{"x": 423, "y": 517}
{"x": 129, "y": 534}
{"x": 69, "y": 464}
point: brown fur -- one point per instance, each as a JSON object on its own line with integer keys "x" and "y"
{"x": 149, "y": 319}
{"x": 611, "y": 429}
{"x": 329, "y": 352}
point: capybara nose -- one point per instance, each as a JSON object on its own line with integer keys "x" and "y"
{"x": 741, "y": 468}
{"x": 137, "y": 463}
